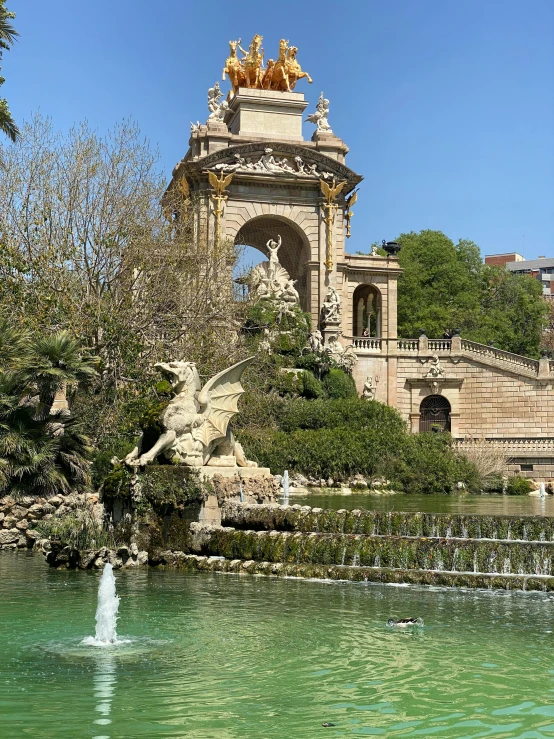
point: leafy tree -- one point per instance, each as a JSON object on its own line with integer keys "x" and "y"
{"x": 86, "y": 247}
{"x": 446, "y": 286}
{"x": 7, "y": 38}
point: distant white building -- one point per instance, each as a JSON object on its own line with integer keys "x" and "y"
{"x": 542, "y": 268}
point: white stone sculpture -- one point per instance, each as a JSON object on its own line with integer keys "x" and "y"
{"x": 268, "y": 163}
{"x": 195, "y": 127}
{"x": 368, "y": 393}
{"x": 344, "y": 356}
{"x": 273, "y": 249}
{"x": 196, "y": 422}
{"x": 331, "y": 307}
{"x": 435, "y": 369}
{"x": 374, "y": 251}
{"x": 216, "y": 107}
{"x": 320, "y": 115}
{"x": 315, "y": 341}
{"x": 271, "y": 281}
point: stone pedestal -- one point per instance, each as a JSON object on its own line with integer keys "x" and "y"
{"x": 266, "y": 114}
{"x": 241, "y": 473}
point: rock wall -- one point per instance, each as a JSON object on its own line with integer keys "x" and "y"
{"x": 19, "y": 517}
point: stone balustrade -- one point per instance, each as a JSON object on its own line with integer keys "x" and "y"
{"x": 490, "y": 352}
{"x": 541, "y": 369}
{"x": 519, "y": 446}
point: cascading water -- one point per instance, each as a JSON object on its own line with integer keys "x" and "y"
{"x": 106, "y": 611}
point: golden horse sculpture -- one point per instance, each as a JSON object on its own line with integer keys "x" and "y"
{"x": 233, "y": 67}
{"x": 282, "y": 74}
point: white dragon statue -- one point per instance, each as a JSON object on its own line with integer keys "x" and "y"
{"x": 196, "y": 421}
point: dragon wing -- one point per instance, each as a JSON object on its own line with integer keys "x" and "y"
{"x": 218, "y": 401}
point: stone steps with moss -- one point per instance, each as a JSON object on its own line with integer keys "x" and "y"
{"x": 491, "y": 581}
{"x": 397, "y": 552}
{"x": 384, "y": 523}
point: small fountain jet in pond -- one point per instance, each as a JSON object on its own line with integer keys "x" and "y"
{"x": 542, "y": 492}
{"x": 106, "y": 611}
{"x": 403, "y": 622}
{"x": 286, "y": 487}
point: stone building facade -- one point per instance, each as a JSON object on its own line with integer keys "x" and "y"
{"x": 272, "y": 179}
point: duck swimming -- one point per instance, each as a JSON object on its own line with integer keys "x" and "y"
{"x": 403, "y": 622}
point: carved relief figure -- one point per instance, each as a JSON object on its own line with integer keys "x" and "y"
{"x": 268, "y": 163}
{"x": 196, "y": 422}
{"x": 435, "y": 369}
{"x": 331, "y": 306}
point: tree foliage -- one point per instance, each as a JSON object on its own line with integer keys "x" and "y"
{"x": 43, "y": 450}
{"x": 446, "y": 286}
{"x": 86, "y": 247}
{"x": 7, "y": 37}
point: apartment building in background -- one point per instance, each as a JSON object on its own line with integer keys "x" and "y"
{"x": 541, "y": 269}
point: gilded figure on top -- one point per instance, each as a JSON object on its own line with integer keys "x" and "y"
{"x": 282, "y": 74}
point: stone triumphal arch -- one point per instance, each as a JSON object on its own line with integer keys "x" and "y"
{"x": 258, "y": 181}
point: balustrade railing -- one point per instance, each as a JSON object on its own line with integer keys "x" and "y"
{"x": 367, "y": 343}
{"x": 440, "y": 345}
{"x": 492, "y": 353}
{"x": 527, "y": 445}
{"x": 407, "y": 345}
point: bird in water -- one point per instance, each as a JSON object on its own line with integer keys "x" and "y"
{"x": 403, "y": 622}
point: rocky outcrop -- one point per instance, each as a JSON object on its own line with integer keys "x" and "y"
{"x": 64, "y": 557}
{"x": 20, "y": 516}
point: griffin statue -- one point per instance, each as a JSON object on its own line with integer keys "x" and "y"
{"x": 196, "y": 422}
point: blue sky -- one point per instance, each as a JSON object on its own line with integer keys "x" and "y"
{"x": 447, "y": 105}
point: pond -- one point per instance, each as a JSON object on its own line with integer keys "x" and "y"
{"x": 486, "y": 505}
{"x": 226, "y": 656}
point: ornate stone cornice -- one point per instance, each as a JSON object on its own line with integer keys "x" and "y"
{"x": 198, "y": 167}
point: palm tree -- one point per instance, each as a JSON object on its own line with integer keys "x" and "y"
{"x": 42, "y": 451}
{"x": 7, "y": 38}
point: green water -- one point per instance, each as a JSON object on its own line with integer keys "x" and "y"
{"x": 487, "y": 505}
{"x": 243, "y": 657}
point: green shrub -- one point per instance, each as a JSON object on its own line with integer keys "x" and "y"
{"x": 309, "y": 386}
{"x": 517, "y": 485}
{"x": 428, "y": 464}
{"x": 339, "y": 384}
{"x": 353, "y": 413}
{"x": 338, "y": 453}
{"x": 81, "y": 530}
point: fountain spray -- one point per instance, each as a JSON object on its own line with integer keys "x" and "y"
{"x": 106, "y": 611}
{"x": 286, "y": 487}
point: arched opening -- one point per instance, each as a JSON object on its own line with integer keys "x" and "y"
{"x": 293, "y": 254}
{"x": 366, "y": 313}
{"x": 434, "y": 414}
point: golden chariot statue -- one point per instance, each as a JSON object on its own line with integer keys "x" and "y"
{"x": 282, "y": 74}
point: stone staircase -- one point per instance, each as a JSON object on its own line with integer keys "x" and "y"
{"x": 501, "y": 552}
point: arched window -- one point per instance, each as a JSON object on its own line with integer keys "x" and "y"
{"x": 434, "y": 414}
{"x": 366, "y": 313}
